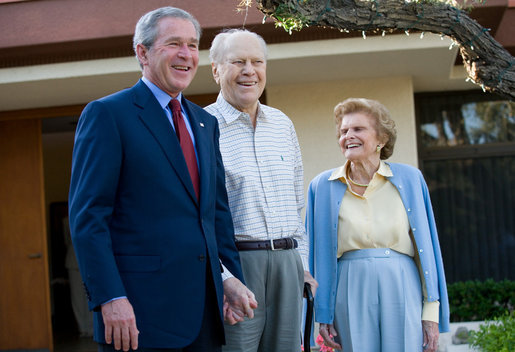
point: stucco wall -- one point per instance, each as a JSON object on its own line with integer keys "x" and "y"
{"x": 311, "y": 109}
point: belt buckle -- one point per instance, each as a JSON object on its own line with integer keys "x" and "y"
{"x": 272, "y": 247}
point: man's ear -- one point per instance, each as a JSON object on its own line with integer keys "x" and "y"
{"x": 216, "y": 75}
{"x": 141, "y": 52}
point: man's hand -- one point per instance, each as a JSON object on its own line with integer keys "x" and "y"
{"x": 239, "y": 301}
{"x": 230, "y": 316}
{"x": 120, "y": 324}
{"x": 311, "y": 281}
{"x": 327, "y": 332}
{"x": 431, "y": 334}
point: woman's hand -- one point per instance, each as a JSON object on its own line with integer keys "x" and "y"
{"x": 327, "y": 332}
{"x": 431, "y": 334}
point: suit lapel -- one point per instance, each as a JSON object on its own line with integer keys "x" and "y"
{"x": 154, "y": 118}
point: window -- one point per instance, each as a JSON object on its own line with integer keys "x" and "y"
{"x": 466, "y": 143}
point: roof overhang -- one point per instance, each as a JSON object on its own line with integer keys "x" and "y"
{"x": 428, "y": 60}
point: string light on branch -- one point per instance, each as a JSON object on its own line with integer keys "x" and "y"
{"x": 457, "y": 20}
{"x": 375, "y": 6}
{"x": 326, "y": 10}
{"x": 420, "y": 16}
{"x": 499, "y": 78}
{"x": 483, "y": 31}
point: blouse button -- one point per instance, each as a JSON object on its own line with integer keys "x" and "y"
{"x": 421, "y": 250}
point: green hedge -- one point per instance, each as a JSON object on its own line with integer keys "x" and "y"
{"x": 480, "y": 300}
{"x": 495, "y": 336}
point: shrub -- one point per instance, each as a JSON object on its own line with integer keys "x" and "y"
{"x": 495, "y": 336}
{"x": 480, "y": 300}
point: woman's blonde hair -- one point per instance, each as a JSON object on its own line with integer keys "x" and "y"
{"x": 384, "y": 125}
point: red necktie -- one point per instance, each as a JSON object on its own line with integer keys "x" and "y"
{"x": 186, "y": 144}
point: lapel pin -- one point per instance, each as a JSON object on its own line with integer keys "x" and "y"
{"x": 201, "y": 124}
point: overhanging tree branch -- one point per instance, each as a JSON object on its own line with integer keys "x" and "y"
{"x": 488, "y": 64}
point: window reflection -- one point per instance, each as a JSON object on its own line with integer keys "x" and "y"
{"x": 468, "y": 123}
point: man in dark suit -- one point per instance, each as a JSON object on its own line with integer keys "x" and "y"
{"x": 149, "y": 215}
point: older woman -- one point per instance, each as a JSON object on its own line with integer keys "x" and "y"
{"x": 374, "y": 245}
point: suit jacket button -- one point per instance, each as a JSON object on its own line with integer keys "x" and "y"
{"x": 201, "y": 258}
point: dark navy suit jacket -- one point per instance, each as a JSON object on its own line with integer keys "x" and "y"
{"x": 137, "y": 227}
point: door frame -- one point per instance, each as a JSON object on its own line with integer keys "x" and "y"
{"x": 34, "y": 139}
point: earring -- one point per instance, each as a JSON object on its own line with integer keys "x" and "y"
{"x": 378, "y": 149}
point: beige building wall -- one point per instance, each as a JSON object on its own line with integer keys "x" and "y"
{"x": 310, "y": 106}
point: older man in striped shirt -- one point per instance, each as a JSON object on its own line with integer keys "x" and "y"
{"x": 264, "y": 179}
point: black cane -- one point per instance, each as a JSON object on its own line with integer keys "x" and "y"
{"x": 309, "y": 317}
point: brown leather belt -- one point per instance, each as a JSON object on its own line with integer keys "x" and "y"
{"x": 282, "y": 243}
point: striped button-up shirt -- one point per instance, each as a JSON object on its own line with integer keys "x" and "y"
{"x": 263, "y": 174}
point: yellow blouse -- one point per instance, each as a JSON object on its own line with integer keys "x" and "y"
{"x": 377, "y": 219}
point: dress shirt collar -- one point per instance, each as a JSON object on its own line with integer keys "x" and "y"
{"x": 162, "y": 97}
{"x": 341, "y": 172}
{"x": 231, "y": 114}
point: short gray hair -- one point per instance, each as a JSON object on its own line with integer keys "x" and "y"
{"x": 219, "y": 46}
{"x": 147, "y": 27}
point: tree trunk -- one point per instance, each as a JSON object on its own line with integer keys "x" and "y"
{"x": 488, "y": 64}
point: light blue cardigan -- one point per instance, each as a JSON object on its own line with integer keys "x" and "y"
{"x": 324, "y": 198}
